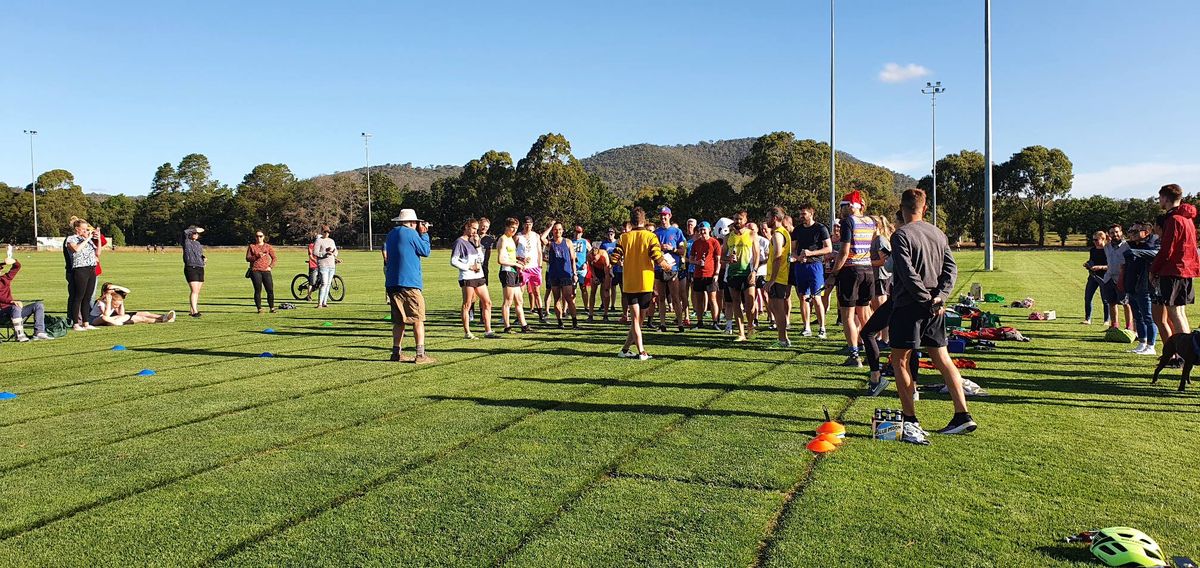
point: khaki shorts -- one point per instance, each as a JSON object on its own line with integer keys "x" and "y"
{"x": 408, "y": 304}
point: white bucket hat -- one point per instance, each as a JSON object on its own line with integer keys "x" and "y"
{"x": 406, "y": 215}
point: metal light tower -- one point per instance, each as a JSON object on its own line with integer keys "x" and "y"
{"x": 33, "y": 185}
{"x": 366, "y": 136}
{"x": 933, "y": 90}
{"x": 988, "y": 259}
{"x": 832, "y": 114}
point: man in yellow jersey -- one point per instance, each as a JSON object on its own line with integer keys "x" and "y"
{"x": 741, "y": 256}
{"x": 778, "y": 269}
{"x": 638, "y": 251}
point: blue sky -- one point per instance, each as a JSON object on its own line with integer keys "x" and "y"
{"x": 115, "y": 89}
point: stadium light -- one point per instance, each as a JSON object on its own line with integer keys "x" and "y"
{"x": 988, "y": 260}
{"x": 33, "y": 185}
{"x": 933, "y": 90}
{"x": 366, "y": 136}
{"x": 832, "y": 146}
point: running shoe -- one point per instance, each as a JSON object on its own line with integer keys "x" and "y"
{"x": 912, "y": 433}
{"x": 507, "y": 329}
{"x": 1149, "y": 350}
{"x": 806, "y": 333}
{"x": 643, "y": 356}
{"x": 527, "y": 329}
{"x": 852, "y": 361}
{"x": 662, "y": 327}
{"x": 490, "y": 335}
{"x": 822, "y": 335}
{"x": 681, "y": 329}
{"x": 959, "y": 426}
{"x": 468, "y": 335}
{"x": 1140, "y": 347}
{"x": 42, "y": 337}
{"x": 729, "y": 328}
{"x": 876, "y": 389}
{"x": 626, "y": 354}
{"x": 423, "y": 359}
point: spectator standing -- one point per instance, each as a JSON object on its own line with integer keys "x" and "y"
{"x": 193, "y": 267}
{"x": 84, "y": 256}
{"x": 1178, "y": 261}
{"x": 1114, "y": 253}
{"x": 1096, "y": 265}
{"x": 402, "y": 252}
{"x": 261, "y": 257}
{"x": 1134, "y": 281}
{"x": 326, "y": 252}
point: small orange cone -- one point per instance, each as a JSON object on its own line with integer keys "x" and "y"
{"x": 821, "y": 446}
{"x": 832, "y": 439}
{"x": 831, "y": 427}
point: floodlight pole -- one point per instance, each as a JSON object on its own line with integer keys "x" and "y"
{"x": 366, "y": 136}
{"x": 33, "y": 186}
{"x": 988, "y": 258}
{"x": 832, "y": 123}
{"x": 933, "y": 89}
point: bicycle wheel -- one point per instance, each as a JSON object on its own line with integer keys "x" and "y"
{"x": 300, "y": 286}
{"x": 337, "y": 290}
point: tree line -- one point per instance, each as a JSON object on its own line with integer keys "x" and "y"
{"x": 1032, "y": 197}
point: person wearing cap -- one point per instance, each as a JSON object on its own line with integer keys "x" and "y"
{"x": 193, "y": 267}
{"x": 640, "y": 252}
{"x": 855, "y": 274}
{"x": 704, "y": 258}
{"x": 608, "y": 270}
{"x": 810, "y": 243}
{"x": 667, "y": 281}
{"x": 741, "y": 258}
{"x": 687, "y": 272}
{"x": 406, "y": 244}
{"x": 582, "y": 247}
{"x": 778, "y": 270}
{"x": 18, "y": 311}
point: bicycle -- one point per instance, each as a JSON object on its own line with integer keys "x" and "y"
{"x": 302, "y": 288}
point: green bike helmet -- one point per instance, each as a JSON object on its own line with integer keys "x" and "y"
{"x": 1123, "y": 546}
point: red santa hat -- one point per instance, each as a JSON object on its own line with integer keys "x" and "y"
{"x": 853, "y": 199}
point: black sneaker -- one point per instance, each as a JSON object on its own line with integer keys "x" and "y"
{"x": 959, "y": 426}
{"x": 662, "y": 328}
{"x": 395, "y": 358}
{"x": 852, "y": 361}
{"x": 526, "y": 329}
{"x": 507, "y": 329}
{"x": 682, "y": 329}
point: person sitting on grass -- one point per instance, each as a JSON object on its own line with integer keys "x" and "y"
{"x": 109, "y": 309}
{"x": 17, "y": 311}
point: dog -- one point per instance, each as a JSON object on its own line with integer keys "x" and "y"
{"x": 1187, "y": 347}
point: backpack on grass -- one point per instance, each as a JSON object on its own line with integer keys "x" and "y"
{"x": 56, "y": 326}
{"x": 1119, "y": 335}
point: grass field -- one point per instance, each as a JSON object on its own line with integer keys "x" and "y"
{"x": 547, "y": 450}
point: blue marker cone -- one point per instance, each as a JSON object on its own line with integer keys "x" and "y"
{"x": 118, "y": 348}
{"x": 146, "y": 373}
{"x": 269, "y": 330}
{"x": 266, "y": 354}
{"x": 7, "y": 396}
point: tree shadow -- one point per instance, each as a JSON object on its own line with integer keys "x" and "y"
{"x": 236, "y": 354}
{"x": 575, "y": 406}
{"x": 708, "y": 385}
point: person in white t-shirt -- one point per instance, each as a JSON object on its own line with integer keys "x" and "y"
{"x": 469, "y": 260}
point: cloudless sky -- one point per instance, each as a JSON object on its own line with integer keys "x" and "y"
{"x": 116, "y": 89}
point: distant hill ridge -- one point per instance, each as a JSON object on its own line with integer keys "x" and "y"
{"x": 629, "y": 168}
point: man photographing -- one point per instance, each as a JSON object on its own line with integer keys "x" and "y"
{"x": 402, "y": 253}
{"x": 923, "y": 278}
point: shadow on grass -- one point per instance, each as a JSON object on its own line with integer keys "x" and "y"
{"x": 568, "y": 406}
{"x": 1068, "y": 553}
{"x": 697, "y": 386}
{"x": 236, "y": 354}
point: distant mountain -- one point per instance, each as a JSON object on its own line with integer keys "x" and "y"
{"x": 629, "y": 168}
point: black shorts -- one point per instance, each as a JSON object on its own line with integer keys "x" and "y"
{"x": 738, "y": 283}
{"x": 193, "y": 273}
{"x": 1110, "y": 295}
{"x": 779, "y": 291}
{"x": 760, "y": 282}
{"x": 883, "y": 287}
{"x": 562, "y": 282}
{"x": 1175, "y": 291}
{"x": 642, "y": 299}
{"x": 619, "y": 279}
{"x": 915, "y": 326}
{"x": 472, "y": 283}
{"x": 510, "y": 279}
{"x": 855, "y": 286}
{"x": 666, "y": 275}
{"x": 704, "y": 284}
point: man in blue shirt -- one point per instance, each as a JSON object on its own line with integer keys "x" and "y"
{"x": 402, "y": 253}
{"x": 667, "y": 283}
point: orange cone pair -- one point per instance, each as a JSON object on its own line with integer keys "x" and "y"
{"x": 830, "y": 435}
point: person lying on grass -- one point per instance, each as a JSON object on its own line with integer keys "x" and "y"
{"x": 109, "y": 309}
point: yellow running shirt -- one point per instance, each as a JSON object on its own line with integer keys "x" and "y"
{"x": 781, "y": 276}
{"x": 639, "y": 251}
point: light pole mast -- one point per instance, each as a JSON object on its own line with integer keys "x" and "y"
{"x": 33, "y": 185}
{"x": 366, "y": 136}
{"x": 933, "y": 90}
{"x": 832, "y": 114}
{"x": 988, "y": 259}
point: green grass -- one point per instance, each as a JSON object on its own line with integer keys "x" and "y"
{"x": 547, "y": 450}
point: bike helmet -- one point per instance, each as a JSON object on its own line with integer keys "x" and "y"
{"x": 1123, "y": 546}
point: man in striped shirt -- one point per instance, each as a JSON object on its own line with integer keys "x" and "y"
{"x": 855, "y": 275}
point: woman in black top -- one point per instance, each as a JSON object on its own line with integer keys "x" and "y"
{"x": 1096, "y": 265}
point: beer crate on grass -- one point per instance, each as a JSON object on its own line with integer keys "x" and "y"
{"x": 886, "y": 424}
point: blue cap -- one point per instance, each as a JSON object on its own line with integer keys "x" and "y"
{"x": 665, "y": 210}
{"x": 705, "y": 225}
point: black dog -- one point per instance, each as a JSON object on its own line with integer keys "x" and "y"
{"x": 1187, "y": 347}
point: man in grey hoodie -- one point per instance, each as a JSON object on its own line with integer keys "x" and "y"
{"x": 1114, "y": 251}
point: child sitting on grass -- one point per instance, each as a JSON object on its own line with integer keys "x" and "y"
{"x": 109, "y": 309}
